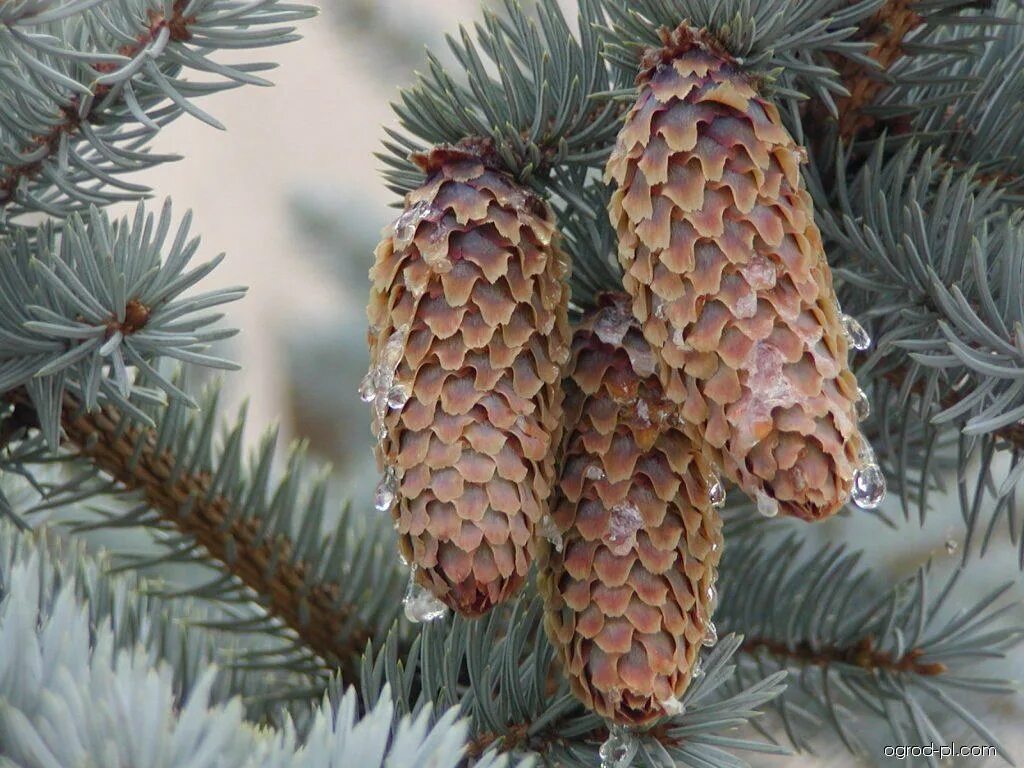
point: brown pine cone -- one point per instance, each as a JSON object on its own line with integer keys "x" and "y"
{"x": 728, "y": 276}
{"x": 468, "y": 336}
{"x": 629, "y": 581}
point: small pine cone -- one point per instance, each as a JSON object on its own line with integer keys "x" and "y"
{"x": 628, "y": 581}
{"x": 728, "y": 275}
{"x": 468, "y": 337}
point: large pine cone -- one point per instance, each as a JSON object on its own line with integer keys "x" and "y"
{"x": 728, "y": 276}
{"x": 468, "y": 321}
{"x": 629, "y": 583}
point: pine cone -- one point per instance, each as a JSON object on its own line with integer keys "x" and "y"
{"x": 728, "y": 275}
{"x": 629, "y": 582}
{"x": 468, "y": 337}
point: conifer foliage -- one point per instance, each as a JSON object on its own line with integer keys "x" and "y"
{"x": 612, "y": 291}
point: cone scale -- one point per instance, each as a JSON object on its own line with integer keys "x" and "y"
{"x": 628, "y": 578}
{"x": 729, "y": 280}
{"x": 468, "y": 335}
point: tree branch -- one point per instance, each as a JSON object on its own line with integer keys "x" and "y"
{"x": 1011, "y": 433}
{"x": 264, "y": 564}
{"x": 863, "y": 655}
{"x": 69, "y": 121}
{"x": 886, "y": 30}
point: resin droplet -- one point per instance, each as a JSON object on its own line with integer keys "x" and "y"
{"x": 951, "y": 546}
{"x": 660, "y": 310}
{"x": 618, "y": 749}
{"x": 855, "y": 333}
{"x": 766, "y": 505}
{"x": 408, "y": 222}
{"x": 716, "y": 492}
{"x": 710, "y": 635}
{"x": 863, "y": 406}
{"x": 712, "y": 597}
{"x": 673, "y": 707}
{"x": 623, "y": 523}
{"x": 594, "y": 472}
{"x": 368, "y": 388}
{"x": 420, "y": 603}
{"x": 398, "y": 396}
{"x": 868, "y": 486}
{"x": 549, "y": 531}
{"x": 698, "y": 669}
{"x": 387, "y": 490}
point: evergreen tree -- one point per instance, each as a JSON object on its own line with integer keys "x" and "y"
{"x": 621, "y": 420}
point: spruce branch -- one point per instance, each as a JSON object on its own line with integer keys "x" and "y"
{"x": 325, "y": 594}
{"x": 75, "y": 119}
{"x": 191, "y": 502}
{"x": 94, "y": 672}
{"x": 174, "y": 27}
{"x": 501, "y": 670}
{"x": 91, "y": 308}
{"x": 856, "y": 649}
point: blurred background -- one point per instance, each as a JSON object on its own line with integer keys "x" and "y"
{"x": 291, "y": 192}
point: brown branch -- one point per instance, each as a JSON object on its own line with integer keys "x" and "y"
{"x": 886, "y": 30}
{"x": 264, "y": 564}
{"x": 863, "y": 655}
{"x": 69, "y": 121}
{"x": 1011, "y": 433}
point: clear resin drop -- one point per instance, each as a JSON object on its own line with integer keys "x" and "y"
{"x": 698, "y": 669}
{"x": 710, "y": 635}
{"x": 387, "y": 491}
{"x": 398, "y": 396}
{"x": 618, "y": 749}
{"x": 766, "y": 505}
{"x": 855, "y": 333}
{"x": 712, "y": 598}
{"x": 368, "y": 388}
{"x": 716, "y": 492}
{"x": 549, "y": 531}
{"x": 868, "y": 486}
{"x": 420, "y": 604}
{"x": 863, "y": 406}
{"x": 594, "y": 472}
{"x": 673, "y": 707}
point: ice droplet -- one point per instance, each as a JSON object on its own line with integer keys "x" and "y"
{"x": 368, "y": 388}
{"x": 679, "y": 339}
{"x": 673, "y": 706}
{"x": 387, "y": 490}
{"x": 398, "y": 396}
{"x": 712, "y": 594}
{"x": 549, "y": 530}
{"x": 716, "y": 492}
{"x": 710, "y": 635}
{"x": 613, "y": 323}
{"x": 594, "y": 472}
{"x": 952, "y": 546}
{"x": 855, "y": 333}
{"x": 420, "y": 603}
{"x": 408, "y": 222}
{"x": 746, "y": 306}
{"x": 658, "y": 305}
{"x": 618, "y": 749}
{"x": 643, "y": 412}
{"x": 698, "y": 669}
{"x": 868, "y": 484}
{"x": 623, "y": 523}
{"x": 863, "y": 406}
{"x": 766, "y": 505}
